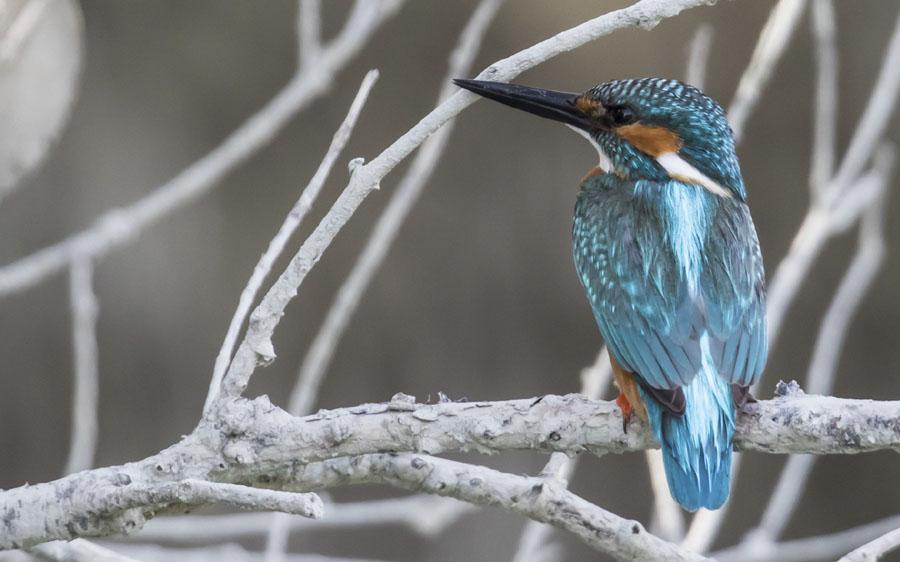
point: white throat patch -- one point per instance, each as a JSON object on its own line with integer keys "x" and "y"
{"x": 683, "y": 171}
{"x": 605, "y": 163}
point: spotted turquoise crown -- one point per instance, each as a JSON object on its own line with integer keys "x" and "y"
{"x": 698, "y": 121}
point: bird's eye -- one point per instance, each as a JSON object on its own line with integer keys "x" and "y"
{"x": 620, "y": 115}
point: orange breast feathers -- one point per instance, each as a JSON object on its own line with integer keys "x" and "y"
{"x": 650, "y": 140}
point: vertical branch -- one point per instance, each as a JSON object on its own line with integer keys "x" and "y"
{"x": 698, "y": 56}
{"x": 290, "y": 224}
{"x": 825, "y": 116}
{"x": 533, "y": 545}
{"x": 83, "y": 440}
{"x": 309, "y": 28}
{"x": 771, "y": 45}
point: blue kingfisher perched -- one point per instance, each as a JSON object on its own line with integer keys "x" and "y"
{"x": 669, "y": 258}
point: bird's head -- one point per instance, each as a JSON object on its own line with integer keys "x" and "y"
{"x": 650, "y": 128}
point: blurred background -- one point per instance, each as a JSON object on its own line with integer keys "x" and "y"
{"x": 478, "y": 297}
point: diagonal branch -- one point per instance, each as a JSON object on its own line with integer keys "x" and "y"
{"x": 540, "y": 499}
{"x": 290, "y": 224}
{"x": 119, "y": 226}
{"x": 257, "y": 348}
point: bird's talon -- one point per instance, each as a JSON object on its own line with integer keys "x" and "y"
{"x": 627, "y": 411}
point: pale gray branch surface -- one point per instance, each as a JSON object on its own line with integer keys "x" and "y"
{"x": 538, "y": 498}
{"x": 254, "y": 442}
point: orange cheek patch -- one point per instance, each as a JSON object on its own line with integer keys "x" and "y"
{"x": 650, "y": 140}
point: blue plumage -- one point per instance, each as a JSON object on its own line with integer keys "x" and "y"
{"x": 675, "y": 279}
{"x": 668, "y": 255}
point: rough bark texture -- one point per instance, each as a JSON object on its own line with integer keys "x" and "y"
{"x": 253, "y": 442}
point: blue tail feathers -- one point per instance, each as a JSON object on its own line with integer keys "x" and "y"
{"x": 696, "y": 446}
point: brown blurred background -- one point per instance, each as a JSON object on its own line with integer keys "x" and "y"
{"x": 477, "y": 299}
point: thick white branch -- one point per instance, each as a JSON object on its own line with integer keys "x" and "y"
{"x": 533, "y": 545}
{"x": 255, "y": 442}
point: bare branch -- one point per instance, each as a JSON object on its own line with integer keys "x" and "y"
{"x": 820, "y": 376}
{"x": 290, "y": 224}
{"x": 874, "y": 120}
{"x": 322, "y": 349}
{"x": 813, "y": 548}
{"x": 772, "y": 43}
{"x": 229, "y": 552}
{"x": 424, "y": 515}
{"x": 538, "y": 498}
{"x": 876, "y": 549}
{"x": 825, "y": 120}
{"x": 698, "y": 56}
{"x": 78, "y": 550}
{"x": 309, "y": 28}
{"x": 560, "y": 468}
{"x": 254, "y": 442}
{"x": 257, "y": 349}
{"x": 818, "y": 224}
{"x": 118, "y": 226}
{"x": 83, "y": 435}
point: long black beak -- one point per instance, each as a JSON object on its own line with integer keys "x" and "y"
{"x": 559, "y": 106}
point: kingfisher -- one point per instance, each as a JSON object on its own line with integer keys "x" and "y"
{"x": 669, "y": 258}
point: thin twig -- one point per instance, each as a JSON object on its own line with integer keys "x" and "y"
{"x": 698, "y": 56}
{"x": 309, "y": 29}
{"x": 773, "y": 41}
{"x": 118, "y": 226}
{"x": 290, "y": 224}
{"x": 823, "y": 547}
{"x": 874, "y": 120}
{"x": 83, "y": 434}
{"x": 825, "y": 117}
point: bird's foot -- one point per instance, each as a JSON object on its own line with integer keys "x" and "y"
{"x": 627, "y": 411}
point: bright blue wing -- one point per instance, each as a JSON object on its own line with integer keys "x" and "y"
{"x": 734, "y": 295}
{"x": 652, "y": 322}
